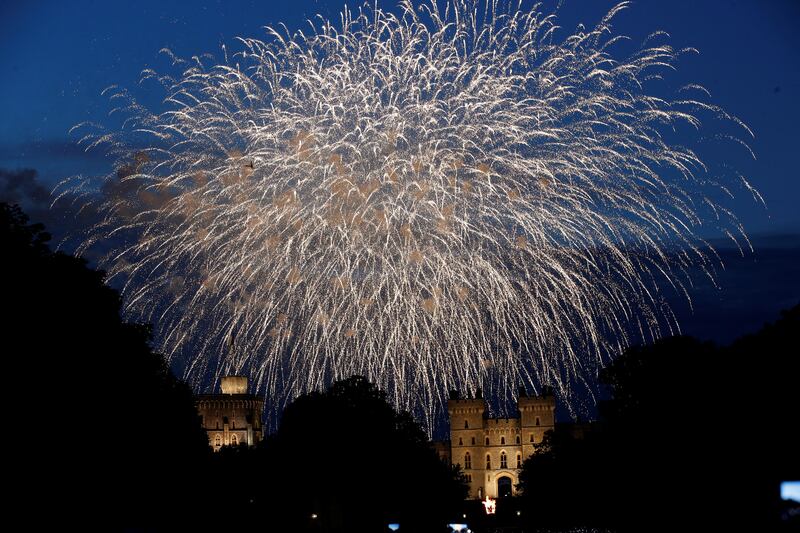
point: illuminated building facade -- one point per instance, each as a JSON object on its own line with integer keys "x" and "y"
{"x": 491, "y": 450}
{"x": 233, "y": 417}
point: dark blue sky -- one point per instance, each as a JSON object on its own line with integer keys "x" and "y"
{"x": 56, "y": 57}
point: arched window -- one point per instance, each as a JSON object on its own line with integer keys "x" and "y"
{"x": 488, "y": 462}
{"x": 468, "y": 478}
{"x": 473, "y": 441}
{"x": 466, "y": 424}
{"x": 234, "y": 440}
{"x": 487, "y": 441}
{"x": 467, "y": 461}
{"x": 537, "y": 420}
{"x": 502, "y": 440}
{"x": 531, "y": 437}
{"x": 519, "y": 461}
{"x": 517, "y": 439}
{"x": 503, "y": 460}
{"x": 460, "y": 443}
{"x": 218, "y": 441}
{"x": 480, "y": 493}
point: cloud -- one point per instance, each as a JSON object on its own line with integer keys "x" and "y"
{"x": 64, "y": 221}
{"x": 21, "y": 187}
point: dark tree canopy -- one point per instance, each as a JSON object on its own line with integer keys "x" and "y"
{"x": 108, "y": 434}
{"x": 692, "y": 434}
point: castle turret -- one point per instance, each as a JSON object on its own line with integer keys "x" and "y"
{"x": 233, "y": 417}
{"x": 537, "y": 416}
{"x": 466, "y": 438}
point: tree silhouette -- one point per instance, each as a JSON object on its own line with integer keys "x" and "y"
{"x": 692, "y": 434}
{"x": 109, "y": 437}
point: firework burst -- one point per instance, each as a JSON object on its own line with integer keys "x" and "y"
{"x": 448, "y": 197}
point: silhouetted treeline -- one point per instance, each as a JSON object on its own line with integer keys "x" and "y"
{"x": 107, "y": 436}
{"x": 694, "y": 437}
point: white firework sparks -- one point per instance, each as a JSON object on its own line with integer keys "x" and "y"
{"x": 450, "y": 197}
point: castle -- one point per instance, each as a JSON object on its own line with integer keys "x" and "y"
{"x": 233, "y": 417}
{"x": 491, "y": 450}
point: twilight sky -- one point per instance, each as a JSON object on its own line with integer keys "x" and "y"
{"x": 56, "y": 57}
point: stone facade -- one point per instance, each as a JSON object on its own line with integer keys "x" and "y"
{"x": 491, "y": 450}
{"x": 233, "y": 417}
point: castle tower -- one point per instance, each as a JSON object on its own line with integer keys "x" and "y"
{"x": 467, "y": 439}
{"x": 537, "y": 416}
{"x": 233, "y": 417}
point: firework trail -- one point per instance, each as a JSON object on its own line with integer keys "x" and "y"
{"x": 448, "y": 197}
